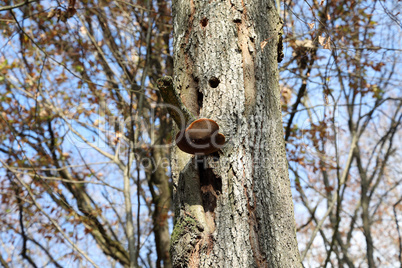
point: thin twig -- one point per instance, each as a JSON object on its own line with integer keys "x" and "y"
{"x": 332, "y": 204}
{"x": 55, "y": 224}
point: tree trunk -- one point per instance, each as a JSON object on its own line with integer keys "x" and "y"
{"x": 232, "y": 208}
{"x": 161, "y": 196}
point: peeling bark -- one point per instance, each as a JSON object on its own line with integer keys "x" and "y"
{"x": 233, "y": 208}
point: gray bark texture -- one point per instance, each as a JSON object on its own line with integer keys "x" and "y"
{"x": 233, "y": 208}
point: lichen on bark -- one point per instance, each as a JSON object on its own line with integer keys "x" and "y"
{"x": 186, "y": 234}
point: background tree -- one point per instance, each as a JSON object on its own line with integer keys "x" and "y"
{"x": 342, "y": 104}
{"x": 76, "y": 90}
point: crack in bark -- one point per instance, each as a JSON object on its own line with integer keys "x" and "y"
{"x": 247, "y": 48}
{"x": 211, "y": 188}
{"x": 259, "y": 257}
{"x": 188, "y": 87}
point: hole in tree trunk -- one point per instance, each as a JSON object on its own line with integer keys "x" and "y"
{"x": 214, "y": 82}
{"x": 204, "y": 22}
{"x": 211, "y": 187}
{"x": 200, "y": 98}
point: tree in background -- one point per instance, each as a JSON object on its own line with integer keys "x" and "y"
{"x": 83, "y": 177}
{"x": 342, "y": 105}
{"x": 79, "y": 122}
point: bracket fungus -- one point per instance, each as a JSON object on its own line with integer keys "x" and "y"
{"x": 201, "y": 137}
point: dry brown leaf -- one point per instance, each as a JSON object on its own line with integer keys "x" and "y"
{"x": 326, "y": 98}
{"x": 52, "y": 13}
{"x": 263, "y": 44}
{"x": 321, "y": 40}
{"x": 328, "y": 43}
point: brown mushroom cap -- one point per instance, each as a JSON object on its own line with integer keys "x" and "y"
{"x": 202, "y": 128}
{"x": 201, "y": 137}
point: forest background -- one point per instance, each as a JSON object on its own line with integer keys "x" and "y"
{"x": 84, "y": 135}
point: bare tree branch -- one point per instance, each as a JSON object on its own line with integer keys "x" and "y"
{"x": 17, "y": 5}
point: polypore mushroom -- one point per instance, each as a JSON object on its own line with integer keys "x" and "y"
{"x": 200, "y": 137}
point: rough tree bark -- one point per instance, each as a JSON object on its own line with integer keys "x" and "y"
{"x": 232, "y": 208}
